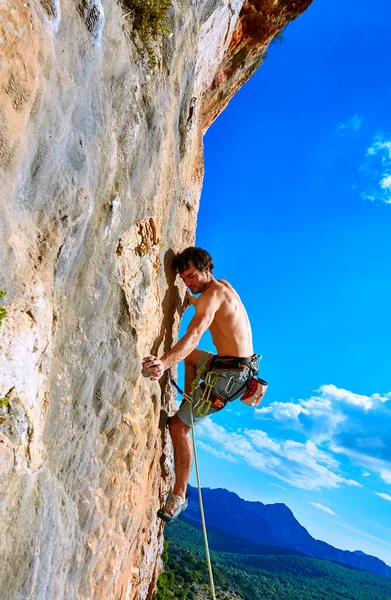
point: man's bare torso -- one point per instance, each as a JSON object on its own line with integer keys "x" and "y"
{"x": 219, "y": 309}
{"x": 230, "y": 328}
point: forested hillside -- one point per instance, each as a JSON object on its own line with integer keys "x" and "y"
{"x": 255, "y": 572}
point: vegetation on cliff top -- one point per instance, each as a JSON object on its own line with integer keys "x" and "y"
{"x": 3, "y": 312}
{"x": 277, "y": 575}
{"x": 150, "y": 22}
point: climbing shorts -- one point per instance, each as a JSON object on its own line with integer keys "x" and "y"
{"x": 229, "y": 385}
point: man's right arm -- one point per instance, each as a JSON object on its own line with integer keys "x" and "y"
{"x": 206, "y": 308}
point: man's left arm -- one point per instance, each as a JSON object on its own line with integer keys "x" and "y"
{"x": 206, "y": 308}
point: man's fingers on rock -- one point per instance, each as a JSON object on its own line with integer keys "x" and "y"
{"x": 149, "y": 358}
{"x": 150, "y": 364}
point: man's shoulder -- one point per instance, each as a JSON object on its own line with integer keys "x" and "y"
{"x": 225, "y": 284}
{"x": 220, "y": 286}
{"x": 214, "y": 293}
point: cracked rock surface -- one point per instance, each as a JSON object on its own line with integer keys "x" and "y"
{"x": 101, "y": 168}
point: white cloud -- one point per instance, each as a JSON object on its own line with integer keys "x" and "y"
{"x": 380, "y": 541}
{"x": 353, "y": 124}
{"x": 333, "y": 421}
{"x": 385, "y": 496}
{"x": 376, "y": 171}
{"x": 381, "y": 146}
{"x": 386, "y": 182}
{"x": 364, "y": 458}
{"x": 328, "y": 404}
{"x": 341, "y": 422}
{"x": 385, "y": 474}
{"x": 331, "y": 392}
{"x": 211, "y": 450}
{"x": 316, "y": 417}
{"x": 302, "y": 465}
{"x": 326, "y": 413}
{"x": 283, "y": 410}
{"x": 324, "y": 508}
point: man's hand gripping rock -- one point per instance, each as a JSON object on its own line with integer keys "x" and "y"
{"x": 153, "y": 367}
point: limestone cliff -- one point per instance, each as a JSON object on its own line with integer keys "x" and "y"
{"x": 101, "y": 171}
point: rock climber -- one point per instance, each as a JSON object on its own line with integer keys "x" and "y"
{"x": 225, "y": 375}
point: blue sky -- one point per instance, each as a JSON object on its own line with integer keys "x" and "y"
{"x": 296, "y": 212}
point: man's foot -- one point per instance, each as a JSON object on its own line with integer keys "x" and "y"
{"x": 172, "y": 508}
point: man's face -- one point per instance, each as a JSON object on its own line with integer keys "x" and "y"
{"x": 195, "y": 279}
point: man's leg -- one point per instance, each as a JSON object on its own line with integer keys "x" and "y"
{"x": 179, "y": 427}
{"x": 180, "y": 432}
{"x": 191, "y": 366}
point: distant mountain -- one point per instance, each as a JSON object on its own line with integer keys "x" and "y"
{"x": 223, "y": 541}
{"x": 273, "y": 524}
{"x": 244, "y": 570}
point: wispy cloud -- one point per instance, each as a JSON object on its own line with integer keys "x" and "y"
{"x": 376, "y": 171}
{"x": 380, "y": 541}
{"x": 216, "y": 452}
{"x": 324, "y": 508}
{"x": 302, "y": 465}
{"x": 385, "y": 496}
{"x": 353, "y": 124}
{"x": 385, "y": 474}
{"x": 365, "y": 456}
{"x": 330, "y": 424}
{"x": 367, "y": 402}
{"x": 322, "y": 405}
{"x": 341, "y": 422}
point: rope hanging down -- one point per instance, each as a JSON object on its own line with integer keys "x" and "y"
{"x": 188, "y": 398}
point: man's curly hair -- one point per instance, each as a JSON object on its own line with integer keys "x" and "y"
{"x": 199, "y": 257}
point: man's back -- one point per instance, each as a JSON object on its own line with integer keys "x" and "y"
{"x": 230, "y": 328}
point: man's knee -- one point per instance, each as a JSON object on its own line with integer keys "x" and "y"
{"x": 189, "y": 360}
{"x": 193, "y": 358}
{"x": 178, "y": 428}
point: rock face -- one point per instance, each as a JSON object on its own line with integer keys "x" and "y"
{"x": 101, "y": 171}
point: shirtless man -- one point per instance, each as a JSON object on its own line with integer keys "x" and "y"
{"x": 220, "y": 309}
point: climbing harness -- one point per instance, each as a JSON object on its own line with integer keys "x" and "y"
{"x": 254, "y": 388}
{"x": 188, "y": 398}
